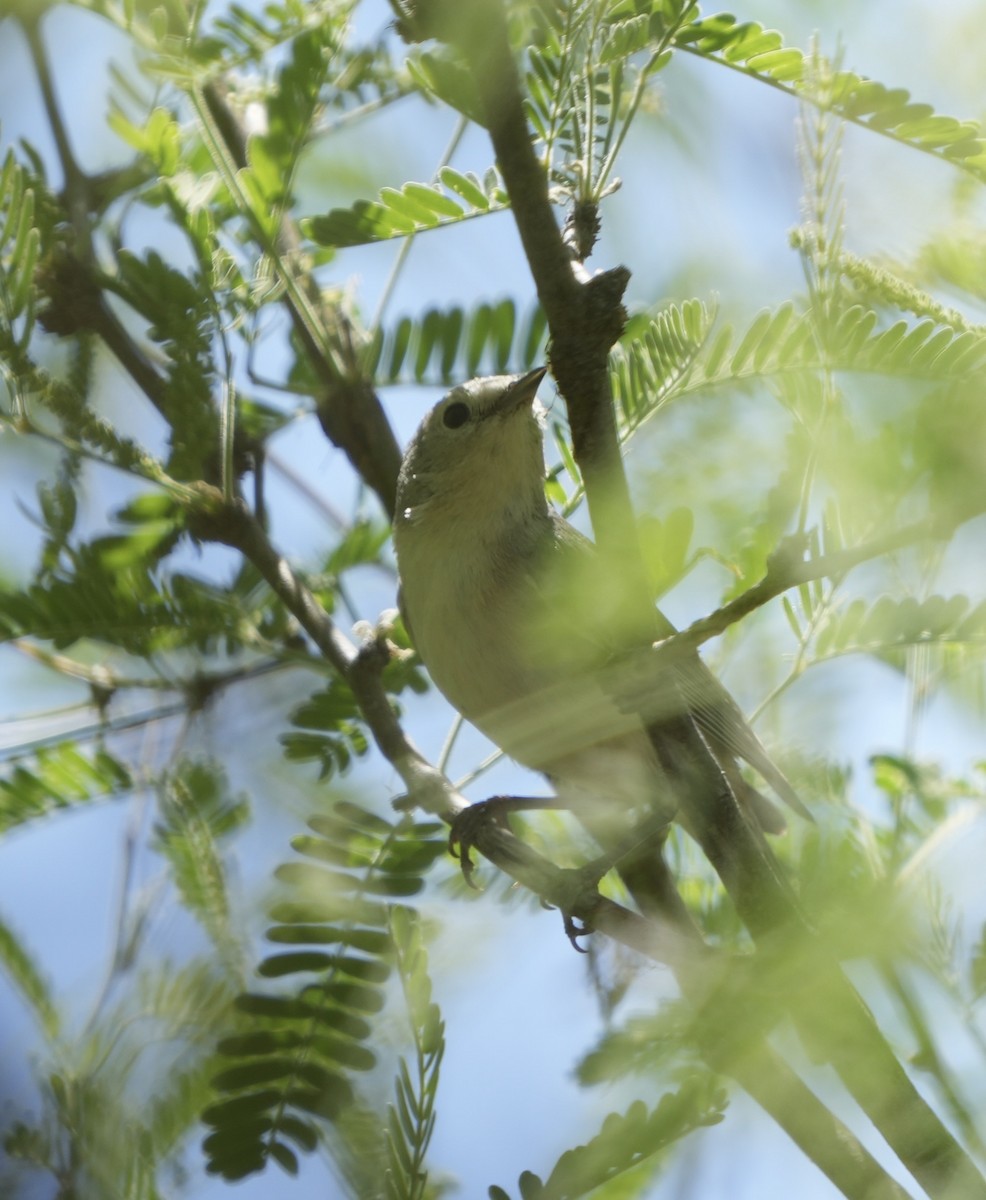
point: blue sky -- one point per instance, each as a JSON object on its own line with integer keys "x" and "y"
{"x": 716, "y": 222}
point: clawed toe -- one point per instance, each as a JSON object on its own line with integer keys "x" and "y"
{"x": 466, "y": 829}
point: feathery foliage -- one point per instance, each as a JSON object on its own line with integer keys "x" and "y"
{"x": 441, "y": 346}
{"x": 292, "y": 1059}
{"x": 624, "y": 1142}
{"x": 181, "y": 548}
{"x": 414, "y": 208}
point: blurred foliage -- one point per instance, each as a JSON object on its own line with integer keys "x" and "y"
{"x": 625, "y": 1141}
{"x": 836, "y": 417}
{"x": 292, "y": 1057}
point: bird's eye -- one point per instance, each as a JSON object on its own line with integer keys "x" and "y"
{"x": 455, "y": 415}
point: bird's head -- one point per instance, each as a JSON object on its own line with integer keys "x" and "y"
{"x": 477, "y": 457}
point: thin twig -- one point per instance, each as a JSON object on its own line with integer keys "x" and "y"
{"x": 783, "y": 574}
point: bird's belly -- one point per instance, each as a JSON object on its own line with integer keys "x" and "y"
{"x": 569, "y": 728}
{"x": 474, "y": 668}
{"x": 552, "y": 718}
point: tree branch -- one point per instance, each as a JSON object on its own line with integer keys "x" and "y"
{"x": 707, "y": 977}
{"x": 585, "y": 314}
{"x": 348, "y": 408}
{"x": 784, "y": 573}
{"x": 585, "y": 319}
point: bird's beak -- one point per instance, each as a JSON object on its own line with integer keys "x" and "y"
{"x": 522, "y": 391}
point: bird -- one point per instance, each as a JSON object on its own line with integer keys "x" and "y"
{"x": 511, "y": 610}
{"x": 512, "y": 614}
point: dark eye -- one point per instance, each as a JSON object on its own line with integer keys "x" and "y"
{"x": 455, "y": 415}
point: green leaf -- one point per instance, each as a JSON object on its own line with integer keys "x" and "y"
{"x": 432, "y": 200}
{"x": 625, "y": 1141}
{"x": 196, "y": 813}
{"x": 262, "y": 1042}
{"x": 159, "y": 139}
{"x": 285, "y": 1156}
{"x": 265, "y": 1070}
{"x": 324, "y": 1101}
{"x": 361, "y": 544}
{"x": 656, "y": 356}
{"x": 414, "y": 208}
{"x": 323, "y": 906}
{"x": 531, "y": 1187}
{"x": 302, "y": 1043}
{"x": 466, "y": 186}
{"x": 58, "y": 777}
{"x": 977, "y": 966}
{"x": 279, "y": 1008}
{"x": 312, "y": 960}
{"x": 290, "y": 964}
{"x": 239, "y": 1108}
{"x": 21, "y": 971}
{"x": 301, "y": 1132}
{"x": 444, "y": 345}
{"x": 441, "y": 74}
{"x": 371, "y": 941}
{"x": 750, "y": 48}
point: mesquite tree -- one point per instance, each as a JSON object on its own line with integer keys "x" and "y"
{"x": 198, "y": 401}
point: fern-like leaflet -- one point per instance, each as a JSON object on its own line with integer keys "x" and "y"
{"x": 293, "y": 1058}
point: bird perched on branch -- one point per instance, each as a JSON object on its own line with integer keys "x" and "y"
{"x": 513, "y": 614}
{"x": 516, "y": 616}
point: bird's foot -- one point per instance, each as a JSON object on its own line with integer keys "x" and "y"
{"x": 576, "y": 907}
{"x": 467, "y": 827}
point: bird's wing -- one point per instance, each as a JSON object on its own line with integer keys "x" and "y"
{"x": 722, "y": 722}
{"x": 716, "y": 713}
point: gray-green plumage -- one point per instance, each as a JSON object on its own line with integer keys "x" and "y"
{"x": 505, "y": 605}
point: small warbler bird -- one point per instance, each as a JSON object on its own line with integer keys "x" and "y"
{"x": 513, "y": 616}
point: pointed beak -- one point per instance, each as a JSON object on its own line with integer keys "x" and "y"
{"x": 521, "y": 391}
